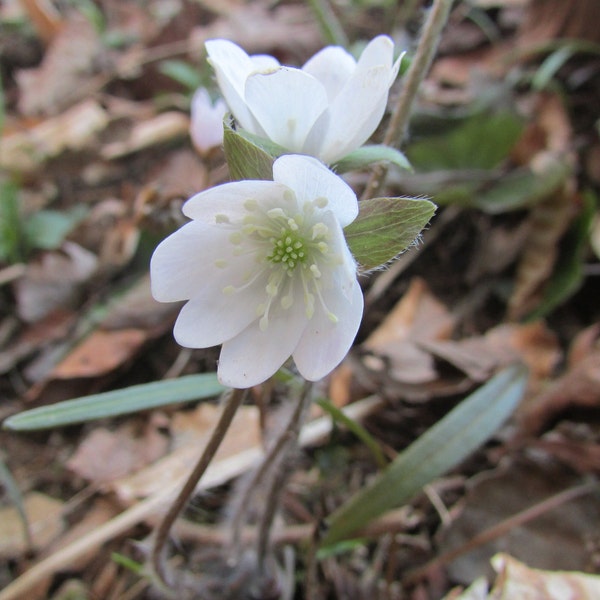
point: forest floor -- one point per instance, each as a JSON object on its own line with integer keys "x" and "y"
{"x": 95, "y": 163}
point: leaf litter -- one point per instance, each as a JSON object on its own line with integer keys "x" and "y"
{"x": 95, "y": 124}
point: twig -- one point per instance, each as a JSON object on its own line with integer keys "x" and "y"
{"x": 502, "y": 528}
{"x": 162, "y": 532}
{"x": 428, "y": 43}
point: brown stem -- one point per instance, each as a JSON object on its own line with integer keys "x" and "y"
{"x": 289, "y": 437}
{"x": 394, "y": 135}
{"x": 161, "y": 535}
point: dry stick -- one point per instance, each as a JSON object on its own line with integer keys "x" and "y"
{"x": 274, "y": 493}
{"x": 487, "y": 535}
{"x": 428, "y": 43}
{"x": 162, "y": 533}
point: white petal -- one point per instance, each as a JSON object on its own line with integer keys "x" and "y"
{"x": 332, "y": 66}
{"x": 177, "y": 267}
{"x": 254, "y": 355}
{"x": 311, "y": 179}
{"x": 357, "y": 110}
{"x": 324, "y": 344}
{"x": 378, "y": 52}
{"x": 263, "y": 63}
{"x": 206, "y": 122}
{"x": 228, "y": 199}
{"x": 212, "y": 317}
{"x": 233, "y": 67}
{"x": 286, "y": 103}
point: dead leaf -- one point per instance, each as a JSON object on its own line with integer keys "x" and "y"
{"x": 53, "y": 281}
{"x": 75, "y": 129}
{"x": 417, "y": 317}
{"x": 45, "y": 524}
{"x": 99, "y": 353}
{"x": 163, "y": 128}
{"x": 106, "y": 455}
{"x": 578, "y": 387}
{"x": 70, "y": 60}
{"x": 556, "y": 539}
{"x": 191, "y": 432}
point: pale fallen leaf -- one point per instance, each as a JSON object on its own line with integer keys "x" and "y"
{"x": 106, "y": 455}
{"x": 192, "y": 431}
{"x": 158, "y": 130}
{"x": 53, "y": 281}
{"x": 68, "y": 63}
{"x": 74, "y": 129}
{"x": 45, "y": 523}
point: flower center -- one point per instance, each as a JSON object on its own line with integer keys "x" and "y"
{"x": 289, "y": 249}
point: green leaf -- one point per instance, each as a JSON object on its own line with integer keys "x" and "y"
{"x": 568, "y": 272}
{"x": 439, "y": 449}
{"x": 181, "y": 72}
{"x": 521, "y": 188}
{"x": 248, "y": 156}
{"x": 369, "y": 155}
{"x": 11, "y": 235}
{"x": 14, "y": 494}
{"x": 47, "y": 229}
{"x": 356, "y": 428}
{"x": 481, "y": 141}
{"x": 385, "y": 227}
{"x": 118, "y": 402}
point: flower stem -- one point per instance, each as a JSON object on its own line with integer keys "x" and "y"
{"x": 233, "y": 401}
{"x": 430, "y": 37}
{"x": 290, "y": 437}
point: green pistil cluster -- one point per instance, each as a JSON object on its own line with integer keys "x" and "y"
{"x": 288, "y": 250}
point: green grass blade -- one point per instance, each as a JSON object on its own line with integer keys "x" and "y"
{"x": 117, "y": 402}
{"x": 439, "y": 449}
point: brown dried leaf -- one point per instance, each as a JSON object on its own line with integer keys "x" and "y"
{"x": 74, "y": 129}
{"x": 578, "y": 387}
{"x": 192, "y": 431}
{"x": 556, "y": 539}
{"x": 45, "y": 523}
{"x": 417, "y": 318}
{"x": 100, "y": 353}
{"x": 53, "y": 281}
{"x": 70, "y": 60}
{"x": 106, "y": 455}
{"x": 157, "y": 130}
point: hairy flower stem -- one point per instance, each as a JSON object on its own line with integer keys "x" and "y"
{"x": 290, "y": 437}
{"x": 428, "y": 43}
{"x": 270, "y": 465}
{"x": 232, "y": 403}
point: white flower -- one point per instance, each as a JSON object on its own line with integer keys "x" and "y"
{"x": 206, "y": 123}
{"x": 266, "y": 271}
{"x": 327, "y": 109}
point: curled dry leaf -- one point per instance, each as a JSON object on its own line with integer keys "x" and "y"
{"x": 578, "y": 387}
{"x": 417, "y": 317}
{"x": 157, "y": 130}
{"x": 74, "y": 129}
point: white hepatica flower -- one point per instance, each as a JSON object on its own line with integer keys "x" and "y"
{"x": 327, "y": 109}
{"x": 266, "y": 271}
{"x": 206, "y": 121}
